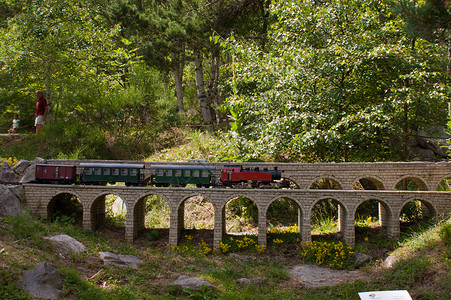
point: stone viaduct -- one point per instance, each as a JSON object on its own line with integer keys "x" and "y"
{"x": 427, "y": 176}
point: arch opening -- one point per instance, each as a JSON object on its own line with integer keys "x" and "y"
{"x": 198, "y": 220}
{"x": 152, "y": 217}
{"x": 326, "y": 184}
{"x": 444, "y": 185}
{"x": 67, "y": 208}
{"x": 115, "y": 210}
{"x": 240, "y": 227}
{"x": 283, "y": 219}
{"x": 327, "y": 219}
{"x": 411, "y": 184}
{"x": 370, "y": 221}
{"x": 414, "y": 213}
{"x": 368, "y": 183}
{"x": 241, "y": 216}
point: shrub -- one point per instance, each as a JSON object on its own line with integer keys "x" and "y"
{"x": 336, "y": 255}
{"x": 445, "y": 234}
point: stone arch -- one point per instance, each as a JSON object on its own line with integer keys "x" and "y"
{"x": 139, "y": 214}
{"x": 293, "y": 183}
{"x": 374, "y": 180}
{"x": 345, "y": 219}
{"x": 234, "y": 197}
{"x": 420, "y": 182}
{"x": 64, "y": 202}
{"x": 298, "y": 218}
{"x": 200, "y": 204}
{"x": 338, "y": 184}
{"x": 427, "y": 207}
{"x": 439, "y": 183}
{"x": 98, "y": 209}
{"x": 384, "y": 213}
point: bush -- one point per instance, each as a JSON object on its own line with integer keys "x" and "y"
{"x": 336, "y": 255}
{"x": 445, "y": 234}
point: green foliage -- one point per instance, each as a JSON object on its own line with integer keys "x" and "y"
{"x": 9, "y": 288}
{"x": 337, "y": 82}
{"x": 406, "y": 272}
{"x": 445, "y": 234}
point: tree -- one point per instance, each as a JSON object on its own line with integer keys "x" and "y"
{"x": 336, "y": 82}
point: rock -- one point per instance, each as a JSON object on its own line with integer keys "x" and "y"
{"x": 424, "y": 154}
{"x": 65, "y": 244}
{"x": 7, "y": 175}
{"x": 192, "y": 283}
{"x": 361, "y": 259}
{"x": 21, "y": 166}
{"x": 42, "y": 282}
{"x": 251, "y": 281}
{"x": 120, "y": 260}
{"x": 30, "y": 173}
{"x": 316, "y": 276}
{"x": 119, "y": 207}
{"x": 10, "y": 204}
{"x": 242, "y": 257}
{"x": 390, "y": 261}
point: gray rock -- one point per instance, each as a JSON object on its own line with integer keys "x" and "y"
{"x": 390, "y": 261}
{"x": 361, "y": 259}
{"x": 21, "y": 166}
{"x": 119, "y": 207}
{"x": 242, "y": 257}
{"x": 425, "y": 154}
{"x": 7, "y": 175}
{"x": 10, "y": 204}
{"x": 65, "y": 244}
{"x": 316, "y": 276}
{"x": 30, "y": 172}
{"x": 192, "y": 283}
{"x": 120, "y": 260}
{"x": 42, "y": 282}
{"x": 250, "y": 281}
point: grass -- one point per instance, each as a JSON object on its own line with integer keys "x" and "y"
{"x": 424, "y": 269}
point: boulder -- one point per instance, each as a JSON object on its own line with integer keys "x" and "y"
{"x": 316, "y": 276}
{"x": 390, "y": 261}
{"x": 21, "y": 166}
{"x": 7, "y": 175}
{"x": 120, "y": 260}
{"x": 361, "y": 259}
{"x": 250, "y": 281}
{"x": 119, "y": 207}
{"x": 10, "y": 203}
{"x": 29, "y": 173}
{"x": 42, "y": 282}
{"x": 65, "y": 244}
{"x": 193, "y": 283}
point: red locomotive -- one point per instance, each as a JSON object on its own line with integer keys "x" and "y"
{"x": 237, "y": 176}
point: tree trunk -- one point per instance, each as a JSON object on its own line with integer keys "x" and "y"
{"x": 178, "y": 79}
{"x": 201, "y": 94}
{"x": 213, "y": 84}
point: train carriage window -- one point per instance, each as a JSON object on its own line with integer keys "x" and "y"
{"x": 178, "y": 173}
{"x": 205, "y": 173}
{"x": 169, "y": 173}
{"x": 106, "y": 171}
{"x": 115, "y": 172}
{"x": 97, "y": 171}
{"x": 133, "y": 172}
{"x": 160, "y": 173}
{"x": 124, "y": 172}
{"x": 186, "y": 173}
{"x": 196, "y": 173}
{"x": 88, "y": 171}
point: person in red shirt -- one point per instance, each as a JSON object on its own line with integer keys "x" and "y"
{"x": 42, "y": 109}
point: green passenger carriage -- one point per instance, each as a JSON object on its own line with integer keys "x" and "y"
{"x": 181, "y": 175}
{"x": 102, "y": 173}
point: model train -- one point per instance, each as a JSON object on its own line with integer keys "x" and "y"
{"x": 234, "y": 176}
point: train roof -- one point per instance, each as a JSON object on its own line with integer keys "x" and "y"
{"x": 106, "y": 165}
{"x": 55, "y": 165}
{"x": 182, "y": 167}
